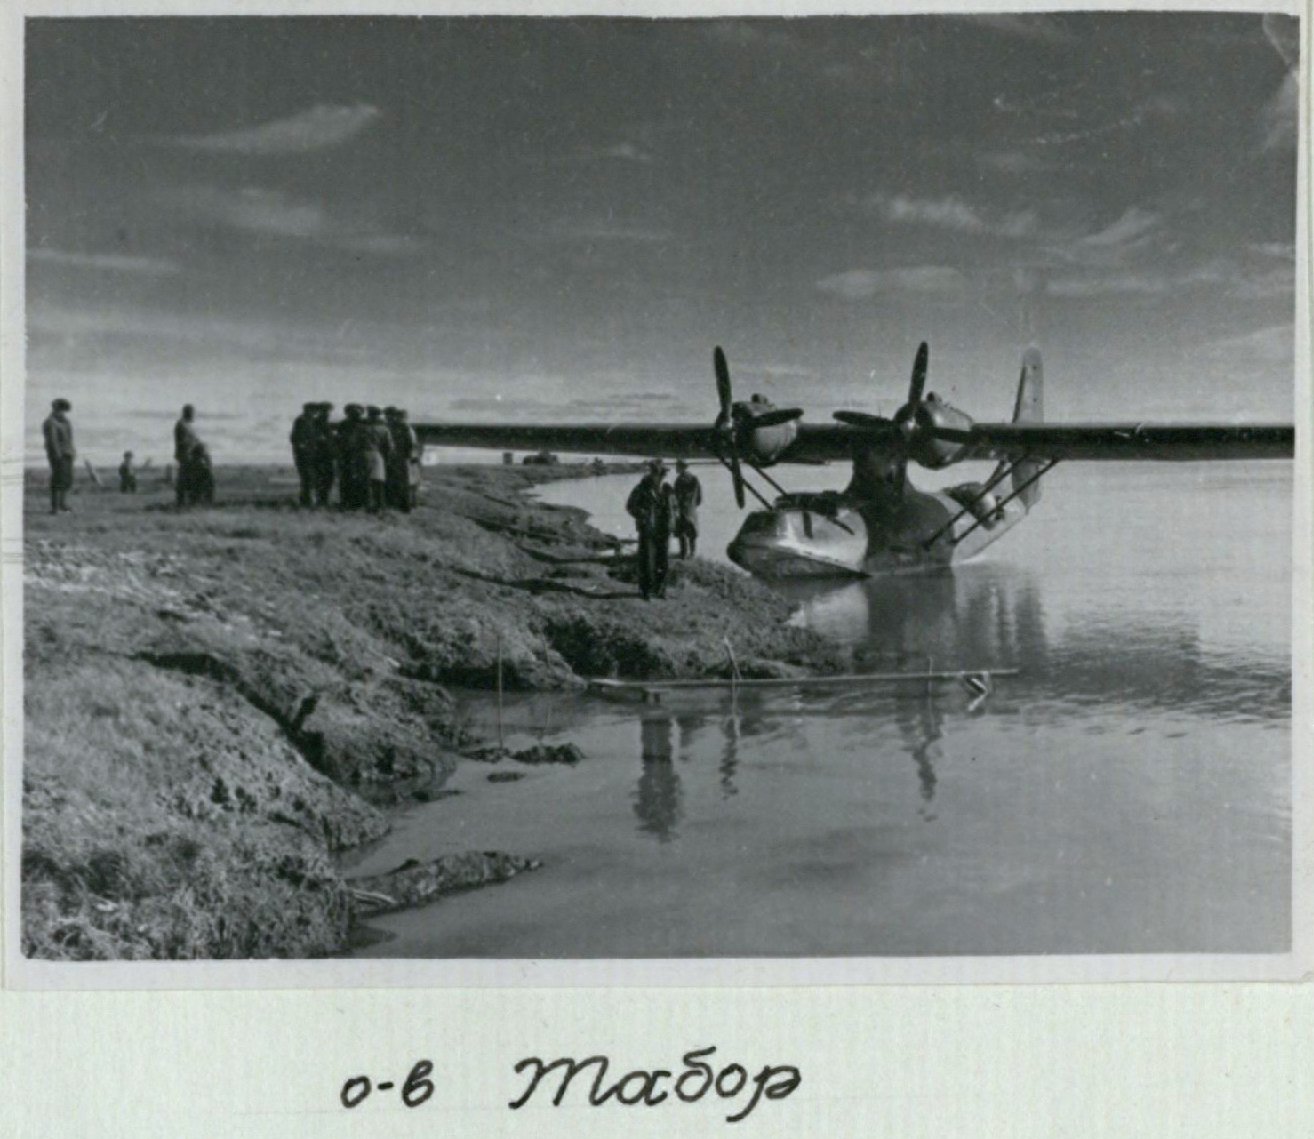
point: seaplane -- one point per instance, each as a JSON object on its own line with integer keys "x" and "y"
{"x": 880, "y": 523}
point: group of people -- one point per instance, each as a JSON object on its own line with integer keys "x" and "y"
{"x": 660, "y": 509}
{"x": 373, "y": 454}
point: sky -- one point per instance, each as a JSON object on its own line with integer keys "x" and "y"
{"x": 557, "y": 219}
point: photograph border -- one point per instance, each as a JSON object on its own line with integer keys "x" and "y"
{"x": 23, "y": 973}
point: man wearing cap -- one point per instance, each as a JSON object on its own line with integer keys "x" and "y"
{"x": 352, "y": 479}
{"x": 403, "y": 462}
{"x": 323, "y": 449}
{"x": 57, "y": 431}
{"x": 649, "y": 505}
{"x": 303, "y": 450}
{"x": 376, "y": 444}
{"x": 185, "y": 442}
{"x": 687, "y": 496}
{"x": 127, "y": 475}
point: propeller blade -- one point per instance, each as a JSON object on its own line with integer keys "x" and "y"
{"x": 723, "y": 389}
{"x": 920, "y": 366}
{"x": 777, "y": 416}
{"x": 737, "y": 477}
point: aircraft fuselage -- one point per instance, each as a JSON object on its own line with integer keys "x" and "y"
{"x": 851, "y": 535}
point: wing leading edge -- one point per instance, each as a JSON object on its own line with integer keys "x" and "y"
{"x": 825, "y": 442}
{"x": 1183, "y": 442}
{"x": 814, "y": 442}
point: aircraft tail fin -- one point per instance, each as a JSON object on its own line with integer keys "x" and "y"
{"x": 1029, "y": 408}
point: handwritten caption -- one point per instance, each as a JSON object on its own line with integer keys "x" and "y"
{"x": 641, "y": 1087}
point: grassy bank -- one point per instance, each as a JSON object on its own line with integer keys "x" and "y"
{"x": 218, "y": 702}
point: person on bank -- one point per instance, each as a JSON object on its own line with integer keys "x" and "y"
{"x": 377, "y": 443}
{"x": 185, "y": 444}
{"x": 403, "y": 462}
{"x": 687, "y": 498}
{"x": 649, "y": 505}
{"x": 323, "y": 452}
{"x": 353, "y": 481}
{"x": 127, "y": 475}
{"x": 303, "y": 450}
{"x": 57, "y": 432}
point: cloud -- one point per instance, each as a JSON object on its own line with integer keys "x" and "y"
{"x": 1280, "y": 115}
{"x": 951, "y": 212}
{"x": 1275, "y": 344}
{"x": 627, "y": 152}
{"x": 607, "y": 231}
{"x": 1279, "y": 118}
{"x": 1131, "y": 228}
{"x": 108, "y": 262}
{"x": 1015, "y": 162}
{"x": 272, "y": 213}
{"x": 858, "y": 284}
{"x": 1091, "y": 285}
{"x": 318, "y": 128}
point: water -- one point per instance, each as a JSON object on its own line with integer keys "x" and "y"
{"x": 1129, "y": 792}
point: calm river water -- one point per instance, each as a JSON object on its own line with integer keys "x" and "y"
{"x": 1129, "y": 792}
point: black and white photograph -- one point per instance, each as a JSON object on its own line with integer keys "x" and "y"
{"x": 799, "y": 491}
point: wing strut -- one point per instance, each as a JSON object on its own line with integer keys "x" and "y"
{"x": 1001, "y": 472}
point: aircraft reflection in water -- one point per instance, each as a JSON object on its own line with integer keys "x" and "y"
{"x": 987, "y": 616}
{"x": 880, "y": 523}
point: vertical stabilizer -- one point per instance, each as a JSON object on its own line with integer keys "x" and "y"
{"x": 1029, "y": 408}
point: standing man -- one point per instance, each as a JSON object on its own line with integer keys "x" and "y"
{"x": 303, "y": 450}
{"x": 688, "y": 497}
{"x": 185, "y": 443}
{"x": 649, "y": 505}
{"x": 127, "y": 475}
{"x": 377, "y": 449}
{"x": 351, "y": 483}
{"x": 57, "y": 431}
{"x": 323, "y": 453}
{"x": 404, "y": 462}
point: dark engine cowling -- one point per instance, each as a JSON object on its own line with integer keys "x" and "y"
{"x": 919, "y": 423}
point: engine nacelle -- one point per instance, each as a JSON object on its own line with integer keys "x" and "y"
{"x": 919, "y": 424}
{"x": 760, "y": 444}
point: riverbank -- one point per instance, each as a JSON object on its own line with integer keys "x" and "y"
{"x": 220, "y": 702}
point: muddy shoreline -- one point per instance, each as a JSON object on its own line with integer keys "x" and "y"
{"x": 219, "y": 703}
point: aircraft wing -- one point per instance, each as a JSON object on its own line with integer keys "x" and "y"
{"x": 814, "y": 442}
{"x": 1184, "y": 442}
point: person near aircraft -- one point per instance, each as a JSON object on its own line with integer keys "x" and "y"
{"x": 649, "y": 505}
{"x": 57, "y": 431}
{"x": 403, "y": 462}
{"x": 127, "y": 475}
{"x": 201, "y": 492}
{"x": 185, "y": 444}
{"x": 323, "y": 453}
{"x": 376, "y": 444}
{"x": 303, "y": 450}
{"x": 353, "y": 471}
{"x": 687, "y": 497}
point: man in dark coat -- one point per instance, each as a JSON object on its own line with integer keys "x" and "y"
{"x": 687, "y": 497}
{"x": 185, "y": 443}
{"x": 376, "y": 443}
{"x": 127, "y": 475}
{"x": 323, "y": 453}
{"x": 57, "y": 432}
{"x": 303, "y": 450}
{"x": 403, "y": 462}
{"x": 649, "y": 505}
{"x": 353, "y": 479}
